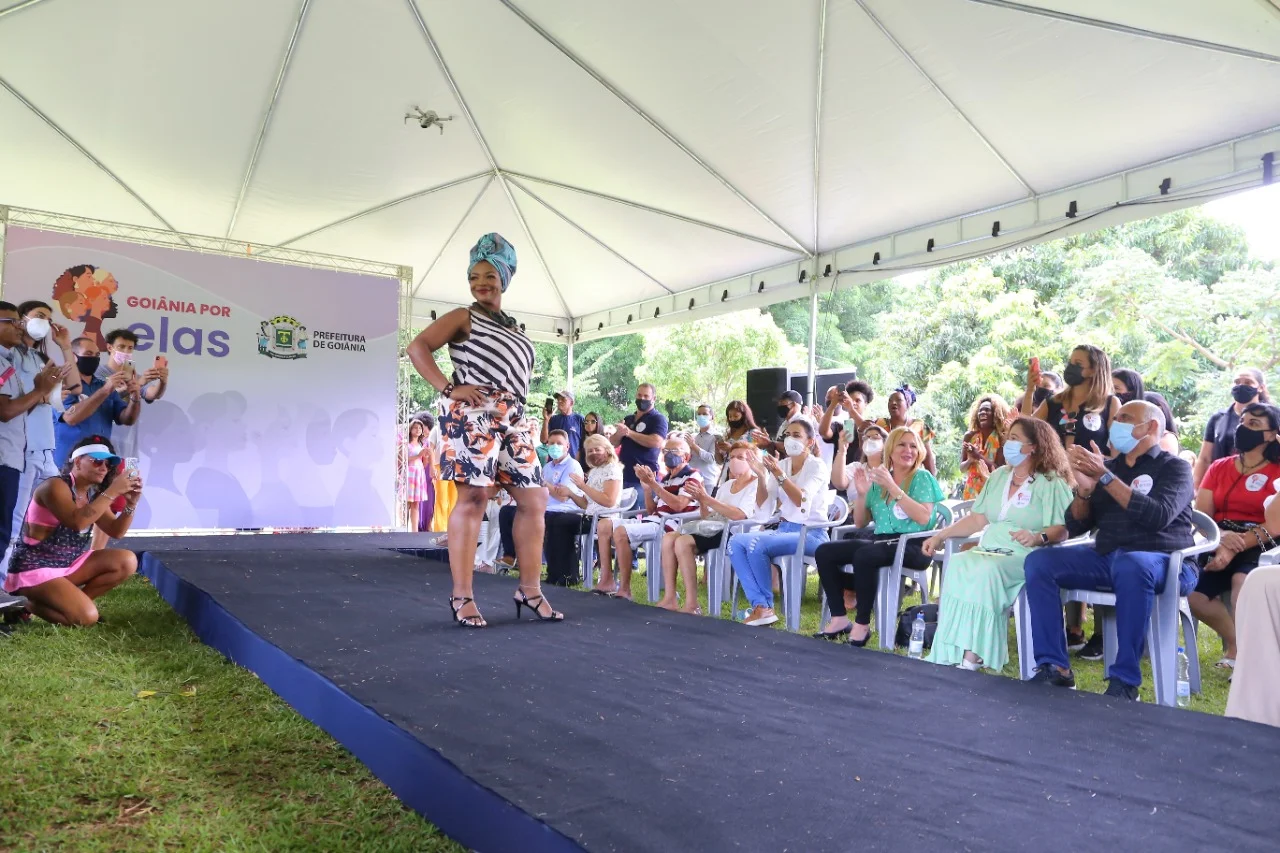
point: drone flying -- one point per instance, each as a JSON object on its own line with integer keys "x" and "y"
{"x": 427, "y": 118}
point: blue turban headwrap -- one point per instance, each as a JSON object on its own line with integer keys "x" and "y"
{"x": 496, "y": 250}
{"x": 907, "y": 394}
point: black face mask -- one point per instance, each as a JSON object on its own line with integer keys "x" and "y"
{"x": 643, "y": 405}
{"x": 734, "y": 421}
{"x": 88, "y": 364}
{"x": 1073, "y": 375}
{"x": 1126, "y": 397}
{"x": 1248, "y": 439}
{"x": 784, "y": 412}
{"x": 1243, "y": 393}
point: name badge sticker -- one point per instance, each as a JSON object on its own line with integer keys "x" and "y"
{"x": 1142, "y": 484}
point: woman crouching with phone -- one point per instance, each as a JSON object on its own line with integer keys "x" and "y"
{"x": 52, "y": 564}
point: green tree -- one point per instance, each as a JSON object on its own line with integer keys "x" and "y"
{"x": 706, "y": 361}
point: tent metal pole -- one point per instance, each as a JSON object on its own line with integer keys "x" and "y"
{"x": 813, "y": 342}
{"x": 569, "y": 368}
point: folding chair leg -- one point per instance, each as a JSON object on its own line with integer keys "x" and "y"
{"x": 1022, "y": 630}
{"x": 587, "y": 542}
{"x": 715, "y": 584}
{"x": 1110, "y": 640}
{"x": 794, "y": 578}
{"x": 653, "y": 568}
{"x": 887, "y": 605}
{"x": 1191, "y": 644}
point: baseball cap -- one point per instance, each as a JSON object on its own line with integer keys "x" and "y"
{"x": 793, "y": 396}
{"x": 566, "y": 393}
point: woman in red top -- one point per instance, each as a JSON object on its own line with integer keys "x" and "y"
{"x": 1233, "y": 492}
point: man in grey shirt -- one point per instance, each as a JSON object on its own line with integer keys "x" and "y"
{"x": 702, "y": 448}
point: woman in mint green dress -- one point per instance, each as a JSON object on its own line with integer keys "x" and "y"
{"x": 1022, "y": 506}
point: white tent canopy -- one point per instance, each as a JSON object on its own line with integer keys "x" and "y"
{"x": 651, "y": 161}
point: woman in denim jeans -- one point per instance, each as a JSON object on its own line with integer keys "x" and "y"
{"x": 803, "y": 497}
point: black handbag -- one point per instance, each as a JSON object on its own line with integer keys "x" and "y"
{"x": 908, "y": 618}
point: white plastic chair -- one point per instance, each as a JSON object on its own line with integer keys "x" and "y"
{"x": 1166, "y": 614}
{"x": 720, "y": 577}
{"x": 889, "y": 593}
{"x": 587, "y": 541}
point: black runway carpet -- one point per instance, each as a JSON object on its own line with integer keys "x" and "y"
{"x": 628, "y": 728}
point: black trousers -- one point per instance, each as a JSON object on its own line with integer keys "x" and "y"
{"x": 867, "y": 556}
{"x": 561, "y": 546}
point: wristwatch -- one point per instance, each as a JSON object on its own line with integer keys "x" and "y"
{"x": 1044, "y": 539}
{"x": 1106, "y": 478}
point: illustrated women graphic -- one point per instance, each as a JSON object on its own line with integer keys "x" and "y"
{"x": 85, "y": 294}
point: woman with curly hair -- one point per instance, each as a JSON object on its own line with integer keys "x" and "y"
{"x": 980, "y": 453}
{"x": 1021, "y": 506}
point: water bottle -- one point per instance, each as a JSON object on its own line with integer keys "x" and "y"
{"x": 916, "y": 648}
{"x": 744, "y": 614}
{"x": 1184, "y": 679}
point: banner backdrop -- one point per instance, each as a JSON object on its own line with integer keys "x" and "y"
{"x": 281, "y": 405}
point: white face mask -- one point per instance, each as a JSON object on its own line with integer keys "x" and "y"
{"x": 793, "y": 446}
{"x": 872, "y": 447}
{"x": 38, "y": 328}
{"x": 122, "y": 357}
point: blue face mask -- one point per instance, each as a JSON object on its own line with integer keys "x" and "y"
{"x": 1013, "y": 452}
{"x": 555, "y": 451}
{"x": 1121, "y": 437}
{"x": 673, "y": 461}
{"x": 704, "y": 421}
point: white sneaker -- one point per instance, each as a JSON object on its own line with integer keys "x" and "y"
{"x": 969, "y": 665}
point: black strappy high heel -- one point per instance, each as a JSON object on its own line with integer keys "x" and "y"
{"x": 476, "y": 621}
{"x": 534, "y": 604}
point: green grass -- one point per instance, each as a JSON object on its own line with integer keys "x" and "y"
{"x": 1213, "y": 681}
{"x": 90, "y": 766}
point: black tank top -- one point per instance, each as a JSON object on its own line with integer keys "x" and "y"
{"x": 1084, "y": 426}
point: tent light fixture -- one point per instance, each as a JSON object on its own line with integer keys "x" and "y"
{"x": 600, "y": 326}
{"x": 1072, "y": 210}
{"x": 1165, "y": 186}
{"x": 427, "y": 118}
{"x": 1268, "y": 167}
{"x": 656, "y": 312}
{"x": 724, "y": 296}
{"x": 875, "y": 259}
{"x": 629, "y": 319}
{"x": 827, "y": 272}
{"x": 929, "y": 246}
{"x": 760, "y": 289}
{"x": 433, "y": 315}
{"x": 692, "y": 302}
{"x": 559, "y": 332}
{"x": 522, "y": 327}
{"x": 995, "y": 228}
{"x": 804, "y": 276}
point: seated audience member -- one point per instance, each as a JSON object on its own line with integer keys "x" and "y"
{"x": 702, "y": 446}
{"x": 596, "y": 493}
{"x": 1128, "y": 386}
{"x": 803, "y": 498}
{"x": 852, "y": 400}
{"x": 1233, "y": 493}
{"x": 1219, "y": 433}
{"x": 1081, "y": 414}
{"x": 745, "y": 494}
{"x": 871, "y": 440}
{"x": 980, "y": 454}
{"x": 52, "y": 564}
{"x": 1139, "y": 505}
{"x": 639, "y": 438}
{"x": 1255, "y": 690}
{"x": 1021, "y": 507}
{"x": 663, "y": 497}
{"x": 591, "y": 425}
{"x": 556, "y": 474}
{"x": 490, "y": 545}
{"x": 740, "y": 426}
{"x": 900, "y": 403}
{"x": 899, "y": 498}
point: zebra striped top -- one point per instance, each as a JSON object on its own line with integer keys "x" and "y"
{"x": 494, "y": 356}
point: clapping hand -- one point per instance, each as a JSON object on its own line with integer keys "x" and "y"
{"x": 1089, "y": 464}
{"x": 771, "y": 465}
{"x": 621, "y": 429}
{"x": 861, "y": 480}
{"x": 645, "y": 475}
{"x": 695, "y": 489}
{"x": 61, "y": 335}
{"x": 882, "y": 478}
{"x": 49, "y": 377}
{"x": 759, "y": 436}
